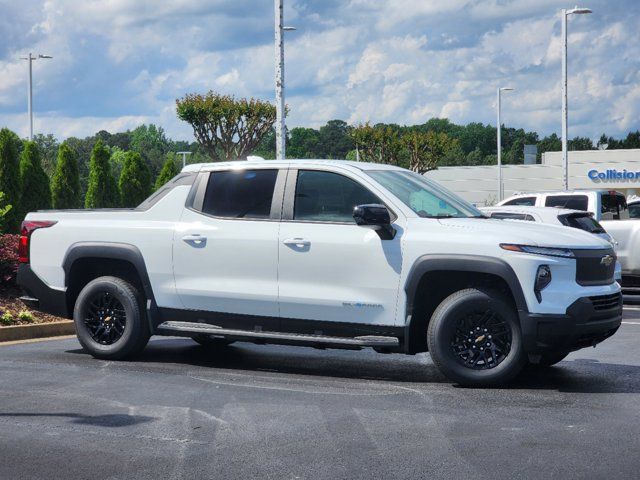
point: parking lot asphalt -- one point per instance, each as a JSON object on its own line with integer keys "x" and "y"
{"x": 250, "y": 411}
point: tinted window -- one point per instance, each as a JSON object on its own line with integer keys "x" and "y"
{"x": 613, "y": 204}
{"x": 582, "y": 222}
{"x": 634, "y": 210}
{"x": 240, "y": 193}
{"x": 522, "y": 201}
{"x": 572, "y": 202}
{"x": 328, "y": 197}
{"x": 512, "y": 216}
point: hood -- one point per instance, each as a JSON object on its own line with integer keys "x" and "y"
{"x": 526, "y": 233}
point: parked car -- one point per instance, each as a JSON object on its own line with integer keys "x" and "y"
{"x": 610, "y": 209}
{"x": 556, "y": 216}
{"x": 634, "y": 208}
{"x": 324, "y": 254}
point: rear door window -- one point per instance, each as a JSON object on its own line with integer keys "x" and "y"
{"x": 240, "y": 193}
{"x": 572, "y": 202}
{"x": 522, "y": 202}
{"x": 581, "y": 222}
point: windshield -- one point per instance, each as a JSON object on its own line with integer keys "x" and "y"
{"x": 423, "y": 196}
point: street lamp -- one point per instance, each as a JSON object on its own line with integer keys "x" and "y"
{"x": 565, "y": 155}
{"x": 31, "y": 58}
{"x": 280, "y": 124}
{"x": 184, "y": 157}
{"x": 499, "y": 141}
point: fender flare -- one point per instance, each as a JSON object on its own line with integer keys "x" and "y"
{"x": 463, "y": 263}
{"x": 114, "y": 251}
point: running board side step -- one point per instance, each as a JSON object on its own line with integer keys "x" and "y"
{"x": 189, "y": 328}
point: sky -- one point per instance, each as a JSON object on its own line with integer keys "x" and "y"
{"x": 120, "y": 63}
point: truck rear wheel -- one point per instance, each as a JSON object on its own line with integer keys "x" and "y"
{"x": 109, "y": 319}
{"x": 474, "y": 338}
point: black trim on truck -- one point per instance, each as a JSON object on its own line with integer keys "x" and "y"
{"x": 587, "y": 322}
{"x": 39, "y": 295}
{"x": 114, "y": 251}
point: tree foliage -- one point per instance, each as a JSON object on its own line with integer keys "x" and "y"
{"x": 4, "y": 210}
{"x": 36, "y": 191}
{"x": 169, "y": 170}
{"x": 10, "y": 175}
{"x": 152, "y": 144}
{"x": 228, "y": 128}
{"x": 427, "y": 149}
{"x": 65, "y": 183}
{"x": 378, "y": 144}
{"x": 135, "y": 180}
{"x": 102, "y": 190}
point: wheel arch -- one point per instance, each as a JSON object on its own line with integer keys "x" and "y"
{"x": 434, "y": 277}
{"x": 85, "y": 261}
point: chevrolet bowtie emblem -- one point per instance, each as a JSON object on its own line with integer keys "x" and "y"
{"x": 606, "y": 260}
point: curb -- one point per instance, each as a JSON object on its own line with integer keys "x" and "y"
{"x": 40, "y": 330}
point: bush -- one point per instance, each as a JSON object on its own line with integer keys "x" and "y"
{"x": 6, "y": 319}
{"x": 135, "y": 180}
{"x": 26, "y": 316}
{"x": 102, "y": 191}
{"x": 4, "y": 212}
{"x": 36, "y": 192}
{"x": 169, "y": 170}
{"x": 8, "y": 260}
{"x": 65, "y": 184}
{"x": 10, "y": 175}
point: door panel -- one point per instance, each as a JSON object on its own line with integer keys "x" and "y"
{"x": 228, "y": 262}
{"x": 330, "y": 268}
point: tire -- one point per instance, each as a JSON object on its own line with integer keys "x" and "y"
{"x": 207, "y": 341}
{"x": 550, "y": 359}
{"x": 110, "y": 320}
{"x": 476, "y": 359}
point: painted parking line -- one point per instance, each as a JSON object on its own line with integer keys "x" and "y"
{"x": 631, "y": 323}
{"x": 34, "y": 340}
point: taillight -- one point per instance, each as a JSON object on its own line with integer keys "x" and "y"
{"x": 27, "y": 228}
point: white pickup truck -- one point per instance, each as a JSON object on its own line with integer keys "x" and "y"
{"x": 610, "y": 209}
{"x": 324, "y": 254}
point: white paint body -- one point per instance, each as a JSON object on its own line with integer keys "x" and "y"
{"x": 625, "y": 232}
{"x": 347, "y": 273}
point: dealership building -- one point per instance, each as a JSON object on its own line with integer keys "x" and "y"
{"x": 588, "y": 169}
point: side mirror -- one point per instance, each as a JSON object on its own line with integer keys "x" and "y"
{"x": 375, "y": 216}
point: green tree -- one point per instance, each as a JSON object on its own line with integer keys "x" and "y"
{"x": 378, "y": 144}
{"x": 580, "y": 143}
{"x": 48, "y": 146}
{"x": 152, "y": 143}
{"x": 334, "y": 140}
{"x": 102, "y": 191}
{"x": 65, "y": 184}
{"x": 426, "y": 149}
{"x": 10, "y": 175}
{"x": 135, "y": 181}
{"x": 228, "y": 128}
{"x": 116, "y": 161}
{"x": 169, "y": 170}
{"x": 551, "y": 143}
{"x": 34, "y": 182}
{"x": 5, "y": 208}
{"x": 304, "y": 143}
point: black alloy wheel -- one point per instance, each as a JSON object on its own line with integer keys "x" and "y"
{"x": 481, "y": 340}
{"x": 105, "y": 318}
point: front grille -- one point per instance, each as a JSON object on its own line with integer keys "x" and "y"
{"x": 606, "y": 302}
{"x": 592, "y": 268}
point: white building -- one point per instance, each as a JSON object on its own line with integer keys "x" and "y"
{"x": 589, "y": 169}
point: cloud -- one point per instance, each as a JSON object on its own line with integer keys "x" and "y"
{"x": 117, "y": 63}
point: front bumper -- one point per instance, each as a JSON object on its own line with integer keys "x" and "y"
{"x": 587, "y": 322}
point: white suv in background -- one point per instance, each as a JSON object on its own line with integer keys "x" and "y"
{"x": 325, "y": 254}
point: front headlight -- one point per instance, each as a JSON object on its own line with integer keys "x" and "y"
{"x": 549, "y": 251}
{"x": 543, "y": 278}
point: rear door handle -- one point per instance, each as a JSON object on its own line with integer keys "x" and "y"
{"x": 195, "y": 240}
{"x": 298, "y": 242}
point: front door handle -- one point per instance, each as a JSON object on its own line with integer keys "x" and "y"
{"x": 196, "y": 240}
{"x": 298, "y": 242}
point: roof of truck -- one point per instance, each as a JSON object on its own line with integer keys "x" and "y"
{"x": 252, "y": 162}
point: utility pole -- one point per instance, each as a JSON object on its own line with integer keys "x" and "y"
{"x": 279, "y": 80}
{"x": 184, "y": 157}
{"x": 31, "y": 58}
{"x": 499, "y": 141}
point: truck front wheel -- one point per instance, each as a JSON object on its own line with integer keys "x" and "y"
{"x": 474, "y": 338}
{"x": 109, "y": 319}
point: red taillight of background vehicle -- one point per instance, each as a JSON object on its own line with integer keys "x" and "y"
{"x": 27, "y": 228}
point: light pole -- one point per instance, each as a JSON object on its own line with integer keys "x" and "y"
{"x": 184, "y": 157}
{"x": 280, "y": 105}
{"x": 565, "y": 155}
{"x": 499, "y": 140}
{"x": 31, "y": 58}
